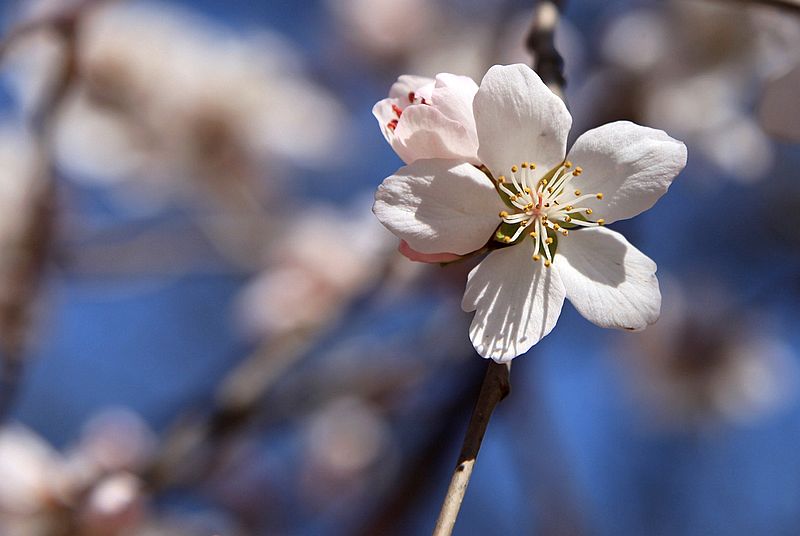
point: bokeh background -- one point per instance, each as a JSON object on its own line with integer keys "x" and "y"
{"x": 212, "y": 335}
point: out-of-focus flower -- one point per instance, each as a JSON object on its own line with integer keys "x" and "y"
{"x": 41, "y": 488}
{"x": 346, "y": 437}
{"x": 701, "y": 365}
{"x": 115, "y": 503}
{"x": 693, "y": 78}
{"x": 779, "y": 111}
{"x": 325, "y": 257}
{"x": 32, "y": 474}
{"x": 116, "y": 440}
{"x": 167, "y": 97}
{"x": 533, "y": 205}
{"x": 425, "y": 118}
{"x": 385, "y": 29}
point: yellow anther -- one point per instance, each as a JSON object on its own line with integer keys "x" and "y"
{"x": 569, "y": 207}
{"x": 550, "y": 190}
{"x": 589, "y": 211}
{"x": 536, "y": 258}
{"x": 547, "y": 263}
{"x": 501, "y": 179}
{"x": 506, "y": 239}
{"x": 514, "y": 169}
{"x": 547, "y": 240}
{"x": 524, "y": 165}
{"x": 514, "y": 197}
{"x": 533, "y": 234}
{"x": 599, "y": 195}
{"x": 601, "y": 221}
{"x": 577, "y": 171}
{"x": 556, "y": 226}
{"x": 567, "y": 164}
{"x": 523, "y": 223}
{"x": 544, "y": 218}
{"x": 565, "y": 232}
{"x": 532, "y": 165}
{"x": 566, "y": 219}
{"x": 577, "y": 192}
{"x": 503, "y": 214}
{"x": 527, "y": 190}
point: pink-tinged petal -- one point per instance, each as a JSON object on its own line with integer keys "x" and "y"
{"x": 631, "y": 165}
{"x": 424, "y": 132}
{"x": 431, "y": 258}
{"x": 516, "y": 301}
{"x": 609, "y": 281}
{"x": 387, "y": 117}
{"x": 518, "y": 120}
{"x": 439, "y": 206}
{"x": 409, "y": 83}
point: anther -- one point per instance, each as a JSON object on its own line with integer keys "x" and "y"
{"x": 577, "y": 192}
{"x": 547, "y": 240}
{"x": 532, "y": 165}
{"x": 536, "y": 258}
{"x": 556, "y": 227}
{"x": 601, "y": 221}
{"x": 506, "y": 239}
{"x": 599, "y": 195}
{"x": 527, "y": 190}
{"x": 589, "y": 211}
{"x": 569, "y": 207}
{"x": 578, "y": 170}
{"x": 524, "y": 165}
{"x": 547, "y": 263}
{"x": 503, "y": 214}
{"x": 532, "y": 234}
{"x": 566, "y": 219}
{"x": 567, "y": 164}
{"x": 564, "y": 232}
{"x": 514, "y": 169}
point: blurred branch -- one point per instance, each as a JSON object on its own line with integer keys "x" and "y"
{"x": 415, "y": 479}
{"x": 192, "y": 449}
{"x": 29, "y": 257}
{"x": 496, "y": 386}
{"x": 547, "y": 61}
{"x": 792, "y": 6}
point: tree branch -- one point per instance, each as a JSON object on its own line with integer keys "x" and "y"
{"x": 496, "y": 386}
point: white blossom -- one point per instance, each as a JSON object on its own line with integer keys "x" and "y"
{"x": 538, "y": 208}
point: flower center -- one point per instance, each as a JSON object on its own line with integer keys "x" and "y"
{"x": 544, "y": 209}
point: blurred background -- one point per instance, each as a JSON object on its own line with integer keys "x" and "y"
{"x": 204, "y": 330}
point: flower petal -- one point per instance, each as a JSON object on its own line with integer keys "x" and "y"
{"x": 609, "y": 281}
{"x": 409, "y": 83}
{"x": 516, "y": 301}
{"x": 439, "y": 206}
{"x": 519, "y": 120}
{"x": 432, "y": 258}
{"x": 630, "y": 164}
{"x": 424, "y": 132}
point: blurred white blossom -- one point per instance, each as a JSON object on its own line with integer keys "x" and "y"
{"x": 164, "y": 96}
{"x": 320, "y": 261}
{"x": 702, "y": 365}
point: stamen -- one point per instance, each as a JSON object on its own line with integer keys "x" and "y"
{"x": 599, "y": 195}
{"x": 396, "y": 109}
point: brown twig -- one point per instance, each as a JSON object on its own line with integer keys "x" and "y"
{"x": 496, "y": 386}
{"x": 547, "y": 61}
{"x": 31, "y": 252}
